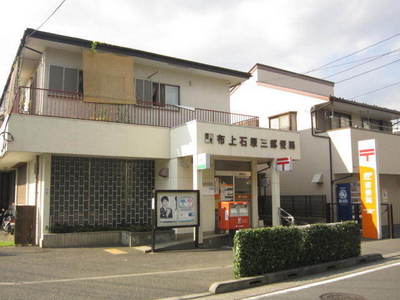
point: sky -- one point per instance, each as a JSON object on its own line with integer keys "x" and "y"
{"x": 296, "y": 35}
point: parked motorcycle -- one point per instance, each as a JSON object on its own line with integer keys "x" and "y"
{"x": 8, "y": 221}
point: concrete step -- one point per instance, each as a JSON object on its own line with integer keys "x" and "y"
{"x": 209, "y": 242}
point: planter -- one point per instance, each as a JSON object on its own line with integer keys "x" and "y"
{"x": 103, "y": 238}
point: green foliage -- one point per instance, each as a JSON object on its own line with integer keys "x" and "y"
{"x": 7, "y": 243}
{"x": 263, "y": 250}
{"x": 323, "y": 242}
{"x": 61, "y": 228}
{"x": 93, "y": 46}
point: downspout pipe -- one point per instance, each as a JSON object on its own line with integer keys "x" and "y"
{"x": 313, "y": 110}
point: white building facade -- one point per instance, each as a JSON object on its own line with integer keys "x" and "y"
{"x": 329, "y": 130}
{"x": 90, "y": 130}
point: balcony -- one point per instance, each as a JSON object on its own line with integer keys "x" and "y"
{"x": 64, "y": 104}
{"x": 371, "y": 120}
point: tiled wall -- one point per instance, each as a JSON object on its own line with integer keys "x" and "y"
{"x": 96, "y": 191}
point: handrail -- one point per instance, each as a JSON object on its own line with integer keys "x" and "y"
{"x": 286, "y": 216}
{"x": 67, "y": 104}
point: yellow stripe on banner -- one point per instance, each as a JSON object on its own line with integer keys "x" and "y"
{"x": 115, "y": 251}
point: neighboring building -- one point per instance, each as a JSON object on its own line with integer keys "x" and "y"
{"x": 89, "y": 130}
{"x": 289, "y": 101}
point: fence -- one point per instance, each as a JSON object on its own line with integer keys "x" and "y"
{"x": 386, "y": 209}
{"x": 63, "y": 104}
{"x": 304, "y": 208}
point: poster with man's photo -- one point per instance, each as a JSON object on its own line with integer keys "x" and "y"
{"x": 177, "y": 208}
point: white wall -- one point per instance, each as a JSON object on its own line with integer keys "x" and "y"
{"x": 189, "y": 139}
{"x": 180, "y": 173}
{"x": 258, "y": 100}
{"x": 181, "y": 177}
{"x": 387, "y": 145}
{"x": 390, "y": 185}
{"x": 195, "y": 90}
{"x": 345, "y": 150}
{"x": 293, "y": 81}
{"x": 43, "y": 204}
{"x": 342, "y": 153}
{"x": 183, "y": 140}
{"x": 80, "y": 137}
{"x": 31, "y": 183}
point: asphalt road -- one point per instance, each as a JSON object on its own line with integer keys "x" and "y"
{"x": 378, "y": 283}
{"x": 377, "y": 280}
{"x": 93, "y": 273}
{"x": 124, "y": 273}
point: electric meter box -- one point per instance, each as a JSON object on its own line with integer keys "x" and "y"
{"x": 233, "y": 215}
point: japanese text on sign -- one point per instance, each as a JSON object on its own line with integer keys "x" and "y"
{"x": 244, "y": 141}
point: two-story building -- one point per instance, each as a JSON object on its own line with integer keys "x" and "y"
{"x": 89, "y": 131}
{"x": 329, "y": 129}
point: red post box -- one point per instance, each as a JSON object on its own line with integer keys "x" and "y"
{"x": 233, "y": 215}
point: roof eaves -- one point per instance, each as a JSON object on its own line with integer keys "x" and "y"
{"x": 21, "y": 45}
{"x": 134, "y": 52}
{"x": 290, "y": 73}
{"x": 365, "y": 105}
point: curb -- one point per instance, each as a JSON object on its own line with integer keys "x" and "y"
{"x": 249, "y": 282}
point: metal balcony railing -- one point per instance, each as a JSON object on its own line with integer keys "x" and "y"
{"x": 392, "y": 127}
{"x": 64, "y": 104}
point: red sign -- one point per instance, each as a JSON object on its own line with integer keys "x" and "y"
{"x": 283, "y": 164}
{"x": 367, "y": 153}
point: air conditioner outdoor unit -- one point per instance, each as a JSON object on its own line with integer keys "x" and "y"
{"x": 318, "y": 178}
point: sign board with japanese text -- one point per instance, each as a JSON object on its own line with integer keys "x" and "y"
{"x": 177, "y": 208}
{"x": 283, "y": 164}
{"x": 369, "y": 188}
{"x": 230, "y": 140}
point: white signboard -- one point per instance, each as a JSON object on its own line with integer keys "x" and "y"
{"x": 284, "y": 164}
{"x": 203, "y": 161}
{"x": 177, "y": 208}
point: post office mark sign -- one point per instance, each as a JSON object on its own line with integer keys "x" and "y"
{"x": 245, "y": 141}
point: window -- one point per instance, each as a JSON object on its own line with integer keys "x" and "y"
{"x": 65, "y": 79}
{"x": 56, "y": 78}
{"x": 286, "y": 121}
{"x": 327, "y": 120}
{"x": 157, "y": 93}
{"x": 377, "y": 124}
{"x": 341, "y": 120}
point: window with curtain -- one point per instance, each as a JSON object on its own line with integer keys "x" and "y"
{"x": 65, "y": 79}
{"x": 157, "y": 93}
{"x": 286, "y": 121}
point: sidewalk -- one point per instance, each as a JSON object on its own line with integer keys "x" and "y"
{"x": 384, "y": 247}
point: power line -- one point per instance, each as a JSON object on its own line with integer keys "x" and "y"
{"x": 48, "y": 18}
{"x": 366, "y": 62}
{"x": 374, "y": 69}
{"x": 350, "y": 62}
{"x": 377, "y": 90}
{"x": 351, "y": 54}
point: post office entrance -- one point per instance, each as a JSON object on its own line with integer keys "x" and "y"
{"x": 231, "y": 186}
